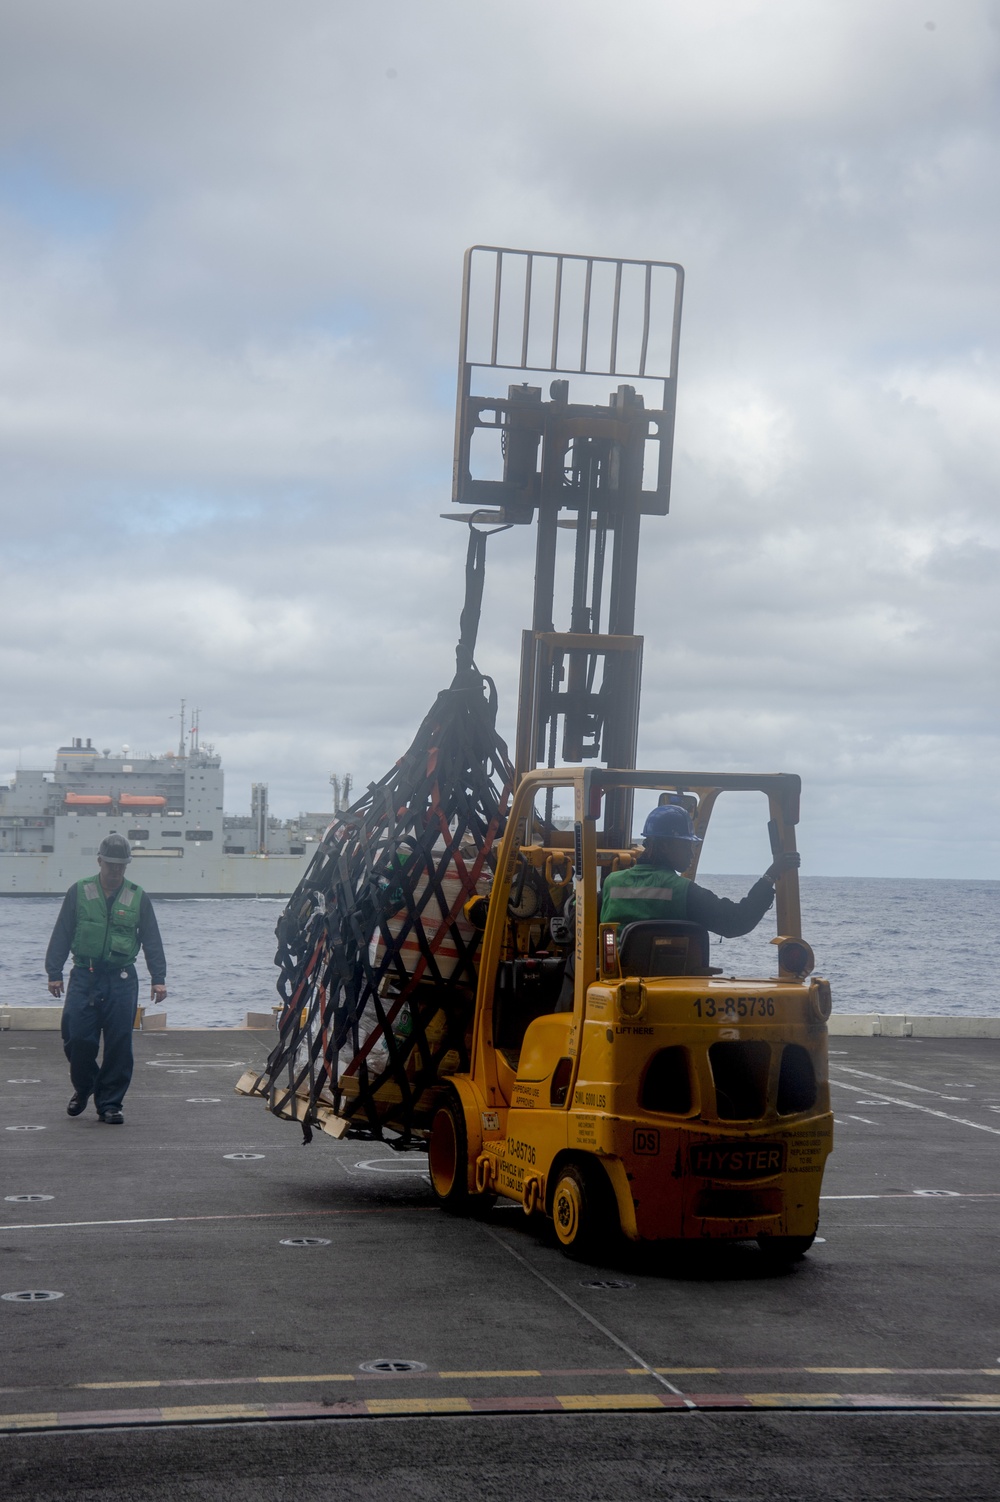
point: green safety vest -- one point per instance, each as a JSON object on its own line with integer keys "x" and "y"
{"x": 643, "y": 892}
{"x": 103, "y": 935}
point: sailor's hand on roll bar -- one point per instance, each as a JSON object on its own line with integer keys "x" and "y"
{"x": 790, "y": 860}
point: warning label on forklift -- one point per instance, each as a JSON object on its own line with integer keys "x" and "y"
{"x": 738, "y": 1160}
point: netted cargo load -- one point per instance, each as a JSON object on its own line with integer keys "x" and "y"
{"x": 377, "y": 956}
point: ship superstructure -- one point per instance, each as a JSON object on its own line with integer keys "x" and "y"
{"x": 169, "y": 807}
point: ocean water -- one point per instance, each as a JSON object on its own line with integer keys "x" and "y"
{"x": 220, "y": 956}
{"x": 885, "y": 946}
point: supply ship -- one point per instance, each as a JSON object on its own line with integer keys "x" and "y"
{"x": 169, "y": 807}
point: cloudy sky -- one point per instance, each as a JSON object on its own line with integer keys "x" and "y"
{"x": 231, "y": 241}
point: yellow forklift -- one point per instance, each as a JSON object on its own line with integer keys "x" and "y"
{"x": 637, "y": 1088}
{"x": 618, "y": 1082}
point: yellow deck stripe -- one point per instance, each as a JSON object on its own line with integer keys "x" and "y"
{"x": 782, "y": 1399}
{"x": 28, "y": 1420}
{"x": 418, "y": 1405}
{"x": 526, "y": 1372}
{"x": 215, "y": 1382}
{"x": 611, "y": 1400}
{"x": 215, "y": 1411}
{"x": 112, "y": 1386}
{"x": 571, "y": 1403}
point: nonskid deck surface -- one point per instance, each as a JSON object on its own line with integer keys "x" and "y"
{"x": 181, "y": 1246}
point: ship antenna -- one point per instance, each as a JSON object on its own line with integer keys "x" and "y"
{"x": 181, "y": 748}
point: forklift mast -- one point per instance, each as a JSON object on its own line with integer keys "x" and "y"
{"x": 520, "y": 458}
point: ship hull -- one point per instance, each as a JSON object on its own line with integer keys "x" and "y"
{"x": 36, "y": 875}
{"x": 169, "y": 808}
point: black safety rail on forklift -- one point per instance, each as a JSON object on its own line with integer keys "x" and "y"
{"x": 580, "y": 320}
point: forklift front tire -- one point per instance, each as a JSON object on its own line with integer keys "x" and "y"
{"x": 584, "y": 1212}
{"x": 448, "y": 1155}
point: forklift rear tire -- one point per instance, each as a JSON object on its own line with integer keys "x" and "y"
{"x": 782, "y": 1250}
{"x": 448, "y": 1160}
{"x": 584, "y": 1212}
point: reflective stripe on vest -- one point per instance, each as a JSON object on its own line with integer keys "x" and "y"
{"x": 103, "y": 935}
{"x": 643, "y": 892}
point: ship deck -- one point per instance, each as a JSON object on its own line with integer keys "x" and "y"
{"x": 222, "y": 1288}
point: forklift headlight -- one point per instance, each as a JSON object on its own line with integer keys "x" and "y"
{"x": 821, "y": 999}
{"x": 795, "y": 959}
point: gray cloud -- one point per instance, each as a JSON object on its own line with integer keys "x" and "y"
{"x": 230, "y": 251}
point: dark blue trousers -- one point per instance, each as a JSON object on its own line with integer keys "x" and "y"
{"x": 100, "y": 1001}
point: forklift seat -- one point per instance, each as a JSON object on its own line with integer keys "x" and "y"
{"x": 663, "y": 946}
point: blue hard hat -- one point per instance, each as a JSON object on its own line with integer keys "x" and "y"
{"x": 668, "y": 821}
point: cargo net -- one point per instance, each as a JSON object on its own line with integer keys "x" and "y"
{"x": 377, "y": 957}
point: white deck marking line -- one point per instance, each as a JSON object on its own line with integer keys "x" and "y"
{"x": 156, "y": 1220}
{"x": 900, "y": 1084}
{"x": 160, "y": 1220}
{"x": 913, "y": 1194}
{"x": 860, "y": 1118}
{"x": 560, "y": 1293}
{"x": 911, "y": 1105}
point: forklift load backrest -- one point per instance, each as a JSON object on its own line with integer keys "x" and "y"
{"x": 662, "y": 946}
{"x": 526, "y": 988}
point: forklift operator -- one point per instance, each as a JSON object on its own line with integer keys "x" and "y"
{"x": 652, "y": 888}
